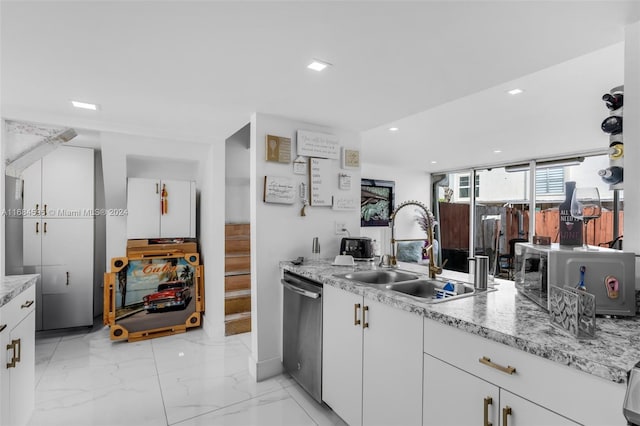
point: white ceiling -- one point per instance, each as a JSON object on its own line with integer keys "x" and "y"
{"x": 195, "y": 71}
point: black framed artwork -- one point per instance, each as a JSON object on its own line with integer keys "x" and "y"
{"x": 376, "y": 202}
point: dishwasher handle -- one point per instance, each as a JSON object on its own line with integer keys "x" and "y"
{"x": 300, "y": 291}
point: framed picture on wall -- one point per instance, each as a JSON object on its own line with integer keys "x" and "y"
{"x": 376, "y": 202}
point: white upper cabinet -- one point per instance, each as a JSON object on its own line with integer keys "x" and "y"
{"x": 60, "y": 185}
{"x": 161, "y": 208}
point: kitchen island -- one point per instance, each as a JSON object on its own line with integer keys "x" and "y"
{"x": 509, "y": 321}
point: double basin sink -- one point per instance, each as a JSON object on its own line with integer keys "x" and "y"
{"x": 427, "y": 289}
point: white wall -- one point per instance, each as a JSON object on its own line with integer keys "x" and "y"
{"x": 211, "y": 231}
{"x": 278, "y": 232}
{"x": 3, "y": 136}
{"x": 117, "y": 151}
{"x": 99, "y": 241}
{"x": 409, "y": 185}
{"x": 237, "y": 174}
{"x": 632, "y": 143}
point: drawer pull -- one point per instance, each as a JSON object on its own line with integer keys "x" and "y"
{"x": 37, "y": 227}
{"x": 14, "y": 359}
{"x": 45, "y": 227}
{"x": 356, "y": 308}
{"x": 508, "y": 369}
{"x": 27, "y": 304}
{"x": 45, "y": 209}
{"x": 487, "y": 402}
{"x": 67, "y": 277}
{"x": 506, "y": 411}
{"x": 2, "y": 327}
{"x": 365, "y": 324}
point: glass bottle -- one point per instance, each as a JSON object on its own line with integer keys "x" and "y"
{"x": 569, "y": 228}
{"x": 613, "y": 101}
{"x": 611, "y": 175}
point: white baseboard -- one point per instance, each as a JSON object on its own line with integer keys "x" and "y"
{"x": 264, "y": 369}
{"x": 211, "y": 329}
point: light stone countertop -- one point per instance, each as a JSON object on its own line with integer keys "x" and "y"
{"x": 504, "y": 316}
{"x": 13, "y": 285}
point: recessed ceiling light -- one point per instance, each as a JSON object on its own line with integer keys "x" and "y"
{"x": 318, "y": 65}
{"x": 434, "y": 162}
{"x": 393, "y": 129}
{"x": 497, "y": 151}
{"x": 515, "y": 91}
{"x": 84, "y": 105}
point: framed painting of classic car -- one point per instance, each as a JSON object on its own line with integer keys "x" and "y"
{"x": 153, "y": 295}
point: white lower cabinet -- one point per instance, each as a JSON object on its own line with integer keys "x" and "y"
{"x": 372, "y": 359}
{"x": 342, "y": 353}
{"x": 17, "y": 359}
{"x": 454, "y": 397}
{"x": 462, "y": 369}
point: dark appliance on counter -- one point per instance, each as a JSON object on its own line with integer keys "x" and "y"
{"x": 361, "y": 248}
{"x": 608, "y": 274}
{"x": 302, "y": 332}
{"x": 631, "y": 405}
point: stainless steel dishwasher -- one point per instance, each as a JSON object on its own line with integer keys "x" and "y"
{"x": 302, "y": 332}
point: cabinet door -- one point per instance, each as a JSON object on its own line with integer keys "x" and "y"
{"x": 31, "y": 241}
{"x": 22, "y": 377}
{"x": 67, "y": 182}
{"x": 454, "y": 397}
{"x": 67, "y": 300}
{"x": 176, "y": 221}
{"x": 392, "y": 355}
{"x": 342, "y": 353}
{"x": 143, "y": 206}
{"x": 67, "y": 241}
{"x": 517, "y": 411}
{"x": 32, "y": 189}
{"x": 67, "y": 274}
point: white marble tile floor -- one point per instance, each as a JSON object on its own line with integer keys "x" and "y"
{"x": 83, "y": 378}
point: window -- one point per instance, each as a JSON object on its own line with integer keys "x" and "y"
{"x": 506, "y": 209}
{"x": 550, "y": 180}
{"x": 463, "y": 186}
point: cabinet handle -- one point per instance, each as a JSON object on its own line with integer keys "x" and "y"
{"x": 157, "y": 188}
{"x": 45, "y": 228}
{"x": 487, "y": 402}
{"x": 45, "y": 209}
{"x": 356, "y": 308}
{"x": 37, "y": 227}
{"x": 14, "y": 359}
{"x": 67, "y": 277}
{"x": 365, "y": 324}
{"x": 2, "y": 327}
{"x": 19, "y": 344}
{"x": 508, "y": 369}
{"x": 37, "y": 207}
{"x": 26, "y": 304}
{"x": 506, "y": 411}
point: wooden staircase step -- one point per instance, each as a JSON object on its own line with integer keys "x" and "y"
{"x": 237, "y": 301}
{"x": 237, "y": 282}
{"x": 235, "y": 229}
{"x": 237, "y": 246}
{"x": 237, "y": 323}
{"x": 236, "y": 294}
{"x": 237, "y": 262}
